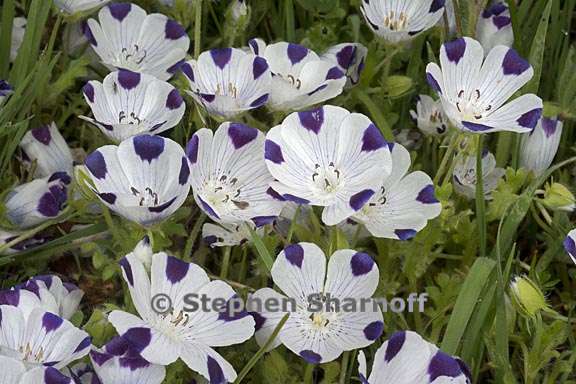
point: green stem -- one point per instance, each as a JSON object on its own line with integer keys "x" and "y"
{"x": 344, "y": 367}
{"x": 198, "y": 29}
{"x": 454, "y": 139}
{"x": 225, "y": 263}
{"x": 192, "y": 238}
{"x": 261, "y": 351}
{"x": 290, "y": 25}
{"x": 309, "y": 374}
{"x": 480, "y": 202}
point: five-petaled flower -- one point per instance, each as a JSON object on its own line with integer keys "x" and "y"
{"x": 228, "y": 81}
{"x": 144, "y": 178}
{"x": 46, "y": 147}
{"x": 320, "y": 335}
{"x": 404, "y": 203}
{"x": 350, "y": 58}
{"x": 495, "y": 27}
{"x": 300, "y": 78}
{"x": 406, "y": 358}
{"x": 401, "y": 20}
{"x": 429, "y": 116}
{"x": 464, "y": 175}
{"x": 129, "y": 103}
{"x": 538, "y": 148}
{"x": 328, "y": 157}
{"x": 229, "y": 177}
{"x": 162, "y": 338}
{"x": 474, "y": 90}
{"x": 126, "y": 37}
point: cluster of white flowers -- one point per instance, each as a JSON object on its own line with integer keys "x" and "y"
{"x": 244, "y": 179}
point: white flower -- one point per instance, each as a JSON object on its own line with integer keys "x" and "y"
{"x": 229, "y": 177}
{"x": 47, "y": 292}
{"x": 464, "y": 175}
{"x": 41, "y": 338}
{"x": 75, "y": 6}
{"x": 328, "y": 157}
{"x": 317, "y": 334}
{"x": 18, "y": 31}
{"x": 130, "y": 103}
{"x": 429, "y": 116}
{"x": 300, "y": 78}
{"x": 5, "y": 91}
{"x": 400, "y": 20}
{"x": 570, "y": 245}
{"x": 404, "y": 203}
{"x": 144, "y": 178}
{"x": 227, "y": 235}
{"x": 406, "y": 358}
{"x": 495, "y": 27}
{"x": 126, "y": 37}
{"x": 350, "y": 58}
{"x": 116, "y": 363}
{"x": 228, "y": 81}
{"x": 46, "y": 146}
{"x": 39, "y": 200}
{"x": 474, "y": 90}
{"x": 162, "y": 338}
{"x": 239, "y": 9}
{"x": 13, "y": 371}
{"x": 539, "y": 147}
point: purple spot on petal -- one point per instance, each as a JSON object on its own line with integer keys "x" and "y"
{"x": 254, "y": 45}
{"x": 192, "y": 149}
{"x": 296, "y": 53}
{"x": 53, "y": 376}
{"x": 128, "y": 79}
{"x": 273, "y": 152}
{"x": 334, "y": 74}
{"x": 436, "y": 6}
{"x": 184, "y": 172}
{"x": 311, "y": 356}
{"x": 426, "y": 195}
{"x": 117, "y": 346}
{"x": 89, "y": 92}
{"x": 215, "y": 372}
{"x": 321, "y": 87}
{"x": 241, "y": 134}
{"x": 275, "y": 195}
{"x": 395, "y": 343}
{"x": 258, "y": 319}
{"x": 174, "y": 100}
{"x": 162, "y": 207}
{"x": 513, "y": 64}
{"x": 295, "y": 199}
{"x": 89, "y": 35}
{"x": 83, "y": 344}
{"x": 475, "y": 126}
{"x": 207, "y": 208}
{"x": 148, "y": 147}
{"x": 570, "y": 247}
{"x": 345, "y": 56}
{"x": 374, "y": 330}
{"x": 259, "y": 66}
{"x": 42, "y": 134}
{"x": 455, "y": 49}
{"x": 501, "y": 21}
{"x": 119, "y": 10}
{"x": 294, "y": 253}
{"x": 133, "y": 363}
{"x": 261, "y": 221}
{"x": 405, "y": 234}
{"x": 221, "y": 56}
{"x": 174, "y": 68}
{"x": 358, "y": 200}
{"x": 443, "y": 365}
{"x": 108, "y": 197}
{"x": 372, "y": 139}
{"x": 259, "y": 101}
{"x": 51, "y": 322}
{"x": 312, "y": 120}
{"x": 173, "y": 30}
{"x": 433, "y": 83}
{"x": 52, "y": 202}
{"x": 530, "y": 118}
{"x": 100, "y": 358}
{"x": 361, "y": 263}
{"x": 208, "y": 98}
{"x": 127, "y": 268}
{"x": 176, "y": 269}
{"x": 549, "y": 126}
{"x": 139, "y": 338}
{"x": 187, "y": 70}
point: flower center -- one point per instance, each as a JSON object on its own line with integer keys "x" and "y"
{"x": 132, "y": 119}
{"x": 132, "y": 57}
{"x": 319, "y": 320}
{"x": 396, "y": 21}
{"x": 327, "y": 180}
{"x": 223, "y": 195}
{"x": 471, "y": 107}
{"x": 223, "y": 90}
{"x": 146, "y": 198}
{"x": 30, "y": 355}
{"x": 294, "y": 81}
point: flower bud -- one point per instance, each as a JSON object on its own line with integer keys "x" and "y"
{"x": 527, "y": 296}
{"x": 558, "y": 197}
{"x": 539, "y": 147}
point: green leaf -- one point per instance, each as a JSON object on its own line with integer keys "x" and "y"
{"x": 262, "y": 250}
{"x": 466, "y": 303}
{"x": 536, "y": 56}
